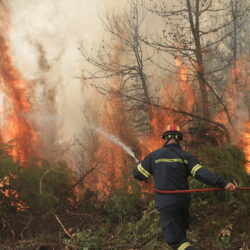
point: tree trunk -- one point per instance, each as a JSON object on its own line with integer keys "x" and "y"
{"x": 195, "y": 29}
{"x": 235, "y": 51}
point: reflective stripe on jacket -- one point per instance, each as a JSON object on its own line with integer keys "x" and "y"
{"x": 170, "y": 167}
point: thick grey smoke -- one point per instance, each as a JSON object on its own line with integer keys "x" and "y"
{"x": 44, "y": 38}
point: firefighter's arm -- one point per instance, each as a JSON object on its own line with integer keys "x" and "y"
{"x": 143, "y": 170}
{"x": 206, "y": 176}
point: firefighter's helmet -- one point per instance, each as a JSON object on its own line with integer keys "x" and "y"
{"x": 172, "y": 132}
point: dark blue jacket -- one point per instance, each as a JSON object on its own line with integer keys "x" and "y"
{"x": 171, "y": 166}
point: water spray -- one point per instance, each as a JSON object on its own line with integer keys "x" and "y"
{"x": 116, "y": 141}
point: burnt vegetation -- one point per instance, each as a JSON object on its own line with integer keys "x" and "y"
{"x": 44, "y": 204}
{"x": 40, "y": 208}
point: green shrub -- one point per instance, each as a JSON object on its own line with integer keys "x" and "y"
{"x": 9, "y": 172}
{"x": 39, "y": 187}
{"x": 226, "y": 161}
{"x": 131, "y": 233}
{"x": 147, "y": 230}
{"x": 44, "y": 187}
{"x": 124, "y": 200}
{"x": 88, "y": 239}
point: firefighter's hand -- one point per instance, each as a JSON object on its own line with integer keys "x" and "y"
{"x": 230, "y": 187}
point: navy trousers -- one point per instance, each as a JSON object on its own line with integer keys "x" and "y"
{"x": 174, "y": 222}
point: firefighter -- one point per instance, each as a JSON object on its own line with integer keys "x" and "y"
{"x": 171, "y": 166}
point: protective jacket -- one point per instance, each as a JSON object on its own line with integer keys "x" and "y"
{"x": 171, "y": 166}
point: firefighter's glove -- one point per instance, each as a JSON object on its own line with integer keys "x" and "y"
{"x": 230, "y": 187}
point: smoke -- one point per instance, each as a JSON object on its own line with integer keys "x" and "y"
{"x": 44, "y": 39}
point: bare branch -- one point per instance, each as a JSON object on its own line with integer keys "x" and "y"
{"x": 41, "y": 180}
{"x": 62, "y": 226}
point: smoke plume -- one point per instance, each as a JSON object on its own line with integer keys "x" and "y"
{"x": 44, "y": 38}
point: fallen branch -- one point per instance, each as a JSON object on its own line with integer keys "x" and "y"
{"x": 62, "y": 226}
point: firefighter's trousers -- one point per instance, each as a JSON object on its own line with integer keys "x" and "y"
{"x": 175, "y": 221}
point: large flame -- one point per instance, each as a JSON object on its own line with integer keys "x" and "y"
{"x": 245, "y": 144}
{"x": 114, "y": 121}
{"x": 185, "y": 86}
{"x": 159, "y": 118}
{"x": 171, "y": 95}
{"x": 111, "y": 158}
{"x": 238, "y": 110}
{"x": 15, "y": 126}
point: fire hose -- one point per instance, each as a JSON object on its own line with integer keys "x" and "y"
{"x": 195, "y": 190}
{"x": 181, "y": 191}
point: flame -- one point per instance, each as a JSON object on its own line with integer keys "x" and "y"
{"x": 185, "y": 85}
{"x": 111, "y": 160}
{"x": 160, "y": 118}
{"x": 16, "y": 105}
{"x": 5, "y": 182}
{"x": 14, "y": 126}
{"x": 245, "y": 144}
{"x": 114, "y": 121}
{"x": 237, "y": 109}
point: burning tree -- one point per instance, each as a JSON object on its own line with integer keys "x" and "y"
{"x": 121, "y": 63}
{"x": 124, "y": 58}
{"x": 188, "y": 38}
{"x": 15, "y": 126}
{"x": 196, "y": 41}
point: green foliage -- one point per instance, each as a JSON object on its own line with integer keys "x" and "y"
{"x": 227, "y": 161}
{"x": 39, "y": 187}
{"x": 124, "y": 200}
{"x": 127, "y": 219}
{"x": 44, "y": 187}
{"x": 89, "y": 202}
{"x": 88, "y": 239}
{"x": 224, "y": 236}
{"x": 133, "y": 222}
{"x": 145, "y": 232}
{"x": 9, "y": 171}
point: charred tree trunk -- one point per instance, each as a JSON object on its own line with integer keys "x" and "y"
{"x": 195, "y": 29}
{"x": 234, "y": 7}
{"x": 139, "y": 56}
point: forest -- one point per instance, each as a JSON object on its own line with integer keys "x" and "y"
{"x": 155, "y": 63}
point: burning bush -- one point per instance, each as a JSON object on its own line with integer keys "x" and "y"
{"x": 37, "y": 189}
{"x": 46, "y": 187}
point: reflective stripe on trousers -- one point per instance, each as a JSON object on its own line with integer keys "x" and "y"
{"x": 185, "y": 245}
